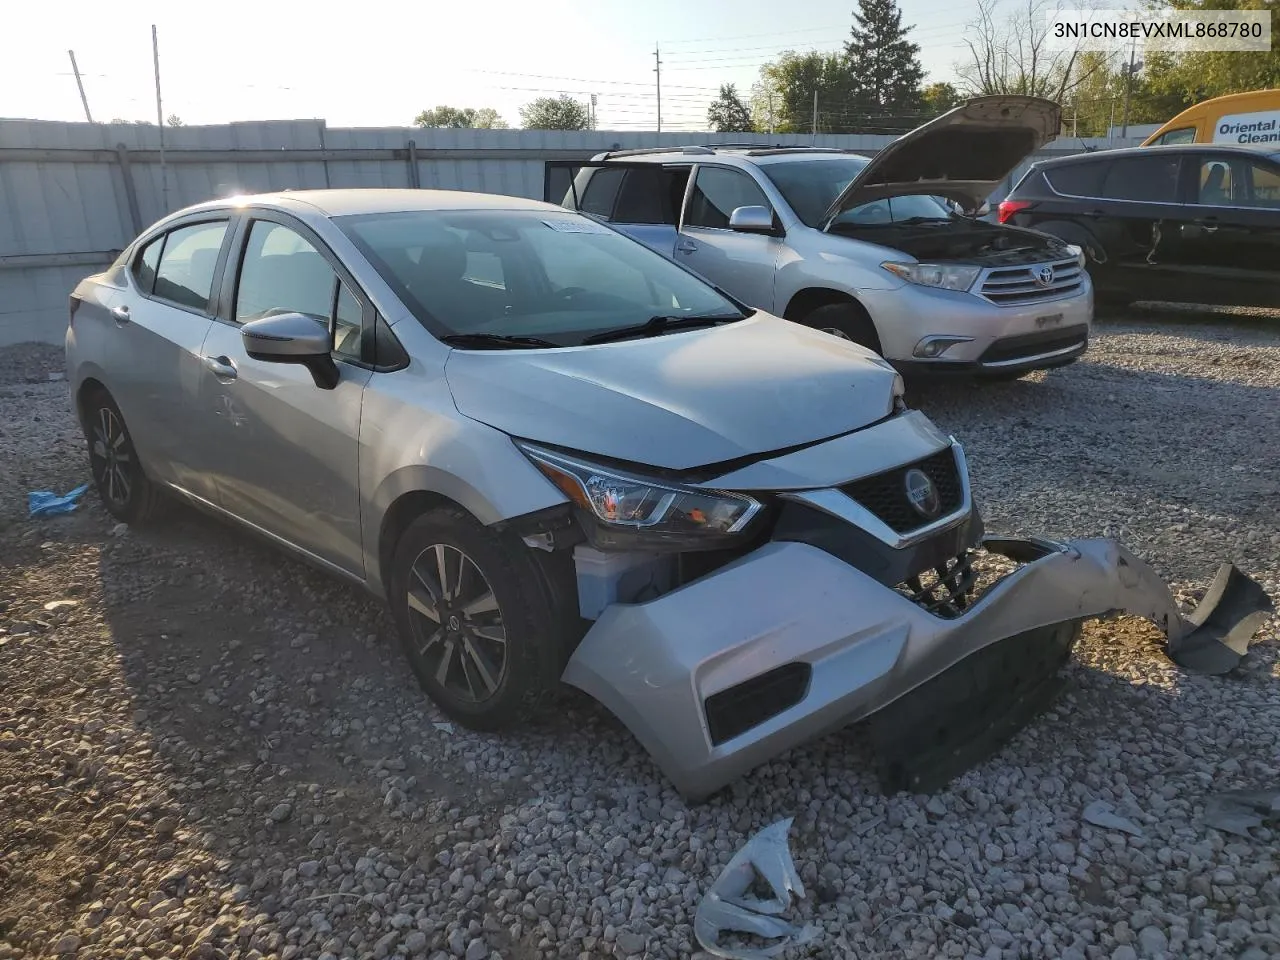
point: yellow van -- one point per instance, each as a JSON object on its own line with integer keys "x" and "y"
{"x": 1237, "y": 118}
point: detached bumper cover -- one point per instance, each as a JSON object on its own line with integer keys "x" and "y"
{"x": 861, "y": 645}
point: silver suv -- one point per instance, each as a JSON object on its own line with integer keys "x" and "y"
{"x": 875, "y": 250}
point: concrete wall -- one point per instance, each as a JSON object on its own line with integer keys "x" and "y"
{"x": 72, "y": 195}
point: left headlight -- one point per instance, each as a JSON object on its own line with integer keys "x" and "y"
{"x": 945, "y": 276}
{"x": 1078, "y": 252}
{"x": 630, "y": 508}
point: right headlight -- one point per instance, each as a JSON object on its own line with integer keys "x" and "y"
{"x": 945, "y": 276}
{"x": 631, "y": 511}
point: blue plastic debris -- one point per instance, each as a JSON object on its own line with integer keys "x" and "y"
{"x": 43, "y": 503}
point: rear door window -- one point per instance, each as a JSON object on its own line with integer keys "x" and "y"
{"x": 1077, "y": 179}
{"x": 1150, "y": 179}
{"x": 144, "y": 267}
{"x": 184, "y": 275}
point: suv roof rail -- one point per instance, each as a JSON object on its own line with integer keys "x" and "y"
{"x": 709, "y": 149}
{"x": 641, "y": 151}
{"x": 769, "y": 151}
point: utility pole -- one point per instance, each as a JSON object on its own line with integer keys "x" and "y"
{"x": 657, "y": 69}
{"x": 815, "y": 117}
{"x": 80, "y": 85}
{"x": 164, "y": 170}
{"x": 1128, "y": 87}
{"x": 593, "y": 111}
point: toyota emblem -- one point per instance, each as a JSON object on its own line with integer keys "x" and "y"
{"x": 1044, "y": 275}
{"x": 922, "y": 493}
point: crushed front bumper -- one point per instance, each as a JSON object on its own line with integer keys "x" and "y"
{"x": 801, "y": 643}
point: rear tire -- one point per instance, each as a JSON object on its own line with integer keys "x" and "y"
{"x": 476, "y": 624}
{"x": 848, "y": 321}
{"x": 122, "y": 484}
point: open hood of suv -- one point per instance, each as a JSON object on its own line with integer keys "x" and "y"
{"x": 963, "y": 155}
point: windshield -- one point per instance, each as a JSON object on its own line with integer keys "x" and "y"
{"x": 553, "y": 276}
{"x": 811, "y": 186}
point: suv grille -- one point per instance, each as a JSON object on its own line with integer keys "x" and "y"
{"x": 885, "y": 494}
{"x": 1010, "y": 286}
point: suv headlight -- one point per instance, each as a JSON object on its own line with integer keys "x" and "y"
{"x": 1078, "y": 252}
{"x": 946, "y": 276}
{"x": 631, "y": 511}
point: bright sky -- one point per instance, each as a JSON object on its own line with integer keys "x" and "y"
{"x": 379, "y": 62}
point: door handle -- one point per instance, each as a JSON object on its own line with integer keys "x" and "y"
{"x": 221, "y": 367}
{"x": 120, "y": 315}
{"x": 686, "y": 246}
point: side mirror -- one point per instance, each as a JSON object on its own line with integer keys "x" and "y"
{"x": 752, "y": 220}
{"x": 984, "y": 209}
{"x": 292, "y": 338}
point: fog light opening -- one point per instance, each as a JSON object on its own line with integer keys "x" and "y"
{"x": 930, "y": 348}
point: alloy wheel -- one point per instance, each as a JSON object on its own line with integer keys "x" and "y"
{"x": 111, "y": 457}
{"x": 458, "y": 631}
{"x": 836, "y": 332}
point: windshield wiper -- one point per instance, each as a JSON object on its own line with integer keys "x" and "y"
{"x": 661, "y": 324}
{"x": 496, "y": 341}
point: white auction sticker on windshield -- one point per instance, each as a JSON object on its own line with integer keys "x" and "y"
{"x": 577, "y": 225}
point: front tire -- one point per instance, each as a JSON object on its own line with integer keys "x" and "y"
{"x": 125, "y": 490}
{"x": 848, "y": 321}
{"x": 476, "y": 626}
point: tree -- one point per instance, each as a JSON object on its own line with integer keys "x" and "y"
{"x": 1175, "y": 81}
{"x": 795, "y": 77}
{"x": 555, "y": 113}
{"x": 937, "y": 98}
{"x": 487, "y": 118}
{"x": 1015, "y": 57}
{"x": 728, "y": 114}
{"x": 883, "y": 64}
{"x": 174, "y": 120}
{"x": 458, "y": 118}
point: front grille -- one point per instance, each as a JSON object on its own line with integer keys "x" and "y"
{"x": 885, "y": 494}
{"x": 736, "y": 710}
{"x": 947, "y": 590}
{"x": 1011, "y": 286}
{"x": 1034, "y": 344}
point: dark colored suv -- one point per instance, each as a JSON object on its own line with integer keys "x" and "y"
{"x": 1193, "y": 223}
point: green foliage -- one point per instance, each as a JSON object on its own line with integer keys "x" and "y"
{"x": 459, "y": 118}
{"x": 1189, "y": 78}
{"x": 728, "y": 113}
{"x": 555, "y": 113}
{"x": 938, "y": 98}
{"x": 883, "y": 65}
{"x": 795, "y": 77}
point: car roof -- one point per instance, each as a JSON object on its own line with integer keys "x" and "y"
{"x": 1242, "y": 149}
{"x": 361, "y": 200}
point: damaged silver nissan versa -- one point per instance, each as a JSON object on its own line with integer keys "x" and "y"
{"x": 561, "y": 456}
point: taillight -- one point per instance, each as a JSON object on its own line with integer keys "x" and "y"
{"x": 1008, "y": 208}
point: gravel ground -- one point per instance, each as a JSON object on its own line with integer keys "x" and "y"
{"x": 209, "y": 751}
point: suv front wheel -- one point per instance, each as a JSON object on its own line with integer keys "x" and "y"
{"x": 848, "y": 321}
